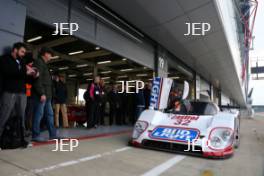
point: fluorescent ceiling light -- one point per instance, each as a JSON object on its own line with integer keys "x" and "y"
{"x": 145, "y": 68}
{"x": 76, "y": 52}
{"x": 89, "y": 79}
{"x": 104, "y": 62}
{"x": 150, "y": 79}
{"x": 124, "y": 59}
{"x": 128, "y": 69}
{"x": 107, "y": 82}
{"x": 63, "y": 68}
{"x": 175, "y": 77}
{"x": 124, "y": 76}
{"x": 81, "y": 65}
{"x": 97, "y": 48}
{"x": 72, "y": 76}
{"x": 87, "y": 74}
{"x": 105, "y": 72}
{"x": 55, "y": 57}
{"x": 141, "y": 75}
{"x": 34, "y": 39}
{"x": 105, "y": 77}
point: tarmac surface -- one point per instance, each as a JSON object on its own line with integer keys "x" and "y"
{"x": 109, "y": 155}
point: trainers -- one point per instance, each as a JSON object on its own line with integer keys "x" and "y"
{"x": 56, "y": 137}
{"x": 38, "y": 139}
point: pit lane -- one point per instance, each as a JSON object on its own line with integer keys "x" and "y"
{"x": 110, "y": 155}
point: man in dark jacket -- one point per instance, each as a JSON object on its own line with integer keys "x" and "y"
{"x": 115, "y": 105}
{"x": 14, "y": 73}
{"x": 147, "y": 93}
{"x": 140, "y": 103}
{"x": 42, "y": 95}
{"x": 60, "y": 99}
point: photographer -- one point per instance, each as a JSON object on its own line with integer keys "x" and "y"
{"x": 14, "y": 73}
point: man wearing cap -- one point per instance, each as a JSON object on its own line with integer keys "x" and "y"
{"x": 42, "y": 95}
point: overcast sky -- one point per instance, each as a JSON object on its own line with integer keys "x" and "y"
{"x": 258, "y": 93}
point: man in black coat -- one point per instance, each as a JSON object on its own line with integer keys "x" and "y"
{"x": 14, "y": 73}
{"x": 115, "y": 106}
{"x": 60, "y": 100}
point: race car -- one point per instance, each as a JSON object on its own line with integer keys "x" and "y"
{"x": 201, "y": 130}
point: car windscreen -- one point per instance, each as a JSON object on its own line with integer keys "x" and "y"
{"x": 202, "y": 108}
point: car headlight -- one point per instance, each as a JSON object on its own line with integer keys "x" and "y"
{"x": 220, "y": 138}
{"x": 227, "y": 134}
{"x": 139, "y": 128}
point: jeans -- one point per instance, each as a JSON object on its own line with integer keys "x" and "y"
{"x": 43, "y": 109}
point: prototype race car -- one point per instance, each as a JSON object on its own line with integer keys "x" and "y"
{"x": 203, "y": 130}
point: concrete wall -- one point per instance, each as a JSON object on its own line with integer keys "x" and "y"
{"x": 12, "y": 17}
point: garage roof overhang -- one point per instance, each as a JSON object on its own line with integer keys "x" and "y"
{"x": 213, "y": 56}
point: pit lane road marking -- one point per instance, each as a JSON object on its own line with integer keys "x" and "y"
{"x": 72, "y": 162}
{"x": 164, "y": 166}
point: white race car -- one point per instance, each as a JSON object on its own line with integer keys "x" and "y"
{"x": 204, "y": 130}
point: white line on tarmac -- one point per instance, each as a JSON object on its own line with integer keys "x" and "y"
{"x": 77, "y": 161}
{"x": 164, "y": 166}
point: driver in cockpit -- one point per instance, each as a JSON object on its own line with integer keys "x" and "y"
{"x": 176, "y": 104}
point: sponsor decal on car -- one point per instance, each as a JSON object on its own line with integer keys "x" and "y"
{"x": 155, "y": 92}
{"x": 175, "y": 134}
{"x": 184, "y": 119}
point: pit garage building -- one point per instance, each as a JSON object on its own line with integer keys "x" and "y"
{"x": 138, "y": 39}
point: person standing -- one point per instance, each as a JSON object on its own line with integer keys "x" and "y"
{"x": 94, "y": 113}
{"x": 124, "y": 107}
{"x": 114, "y": 101}
{"x": 60, "y": 99}
{"x": 140, "y": 103}
{"x": 86, "y": 97}
{"x": 29, "y": 107}
{"x": 42, "y": 95}
{"x": 121, "y": 102}
{"x": 14, "y": 73}
{"x": 147, "y": 93}
{"x": 103, "y": 100}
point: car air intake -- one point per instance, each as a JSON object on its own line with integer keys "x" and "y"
{"x": 171, "y": 147}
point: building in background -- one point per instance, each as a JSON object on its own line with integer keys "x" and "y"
{"x": 115, "y": 42}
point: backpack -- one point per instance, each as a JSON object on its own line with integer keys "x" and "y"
{"x": 12, "y": 134}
